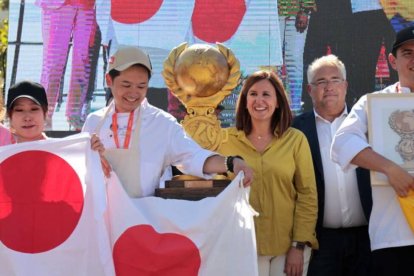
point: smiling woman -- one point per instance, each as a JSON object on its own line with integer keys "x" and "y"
{"x": 140, "y": 142}
{"x": 284, "y": 189}
{"x": 26, "y": 108}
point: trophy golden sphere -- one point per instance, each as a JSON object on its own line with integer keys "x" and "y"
{"x": 201, "y": 70}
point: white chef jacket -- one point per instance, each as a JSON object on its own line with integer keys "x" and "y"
{"x": 162, "y": 142}
{"x": 387, "y": 225}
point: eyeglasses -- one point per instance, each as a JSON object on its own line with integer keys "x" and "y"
{"x": 324, "y": 83}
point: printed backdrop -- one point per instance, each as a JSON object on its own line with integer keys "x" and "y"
{"x": 284, "y": 35}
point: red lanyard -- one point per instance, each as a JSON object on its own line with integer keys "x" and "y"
{"x": 128, "y": 132}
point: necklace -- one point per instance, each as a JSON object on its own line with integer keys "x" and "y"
{"x": 261, "y": 137}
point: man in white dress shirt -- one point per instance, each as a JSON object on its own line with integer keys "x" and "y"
{"x": 344, "y": 198}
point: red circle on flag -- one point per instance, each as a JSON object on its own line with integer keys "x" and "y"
{"x": 140, "y": 250}
{"x": 41, "y": 201}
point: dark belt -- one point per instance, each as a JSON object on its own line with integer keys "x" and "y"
{"x": 346, "y": 229}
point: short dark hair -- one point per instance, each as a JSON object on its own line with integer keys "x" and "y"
{"x": 115, "y": 73}
{"x": 394, "y": 52}
{"x": 282, "y": 116}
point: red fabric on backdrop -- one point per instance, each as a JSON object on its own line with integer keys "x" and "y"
{"x": 217, "y": 20}
{"x": 134, "y": 11}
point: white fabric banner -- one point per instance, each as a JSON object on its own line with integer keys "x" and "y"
{"x": 213, "y": 236}
{"x": 57, "y": 217}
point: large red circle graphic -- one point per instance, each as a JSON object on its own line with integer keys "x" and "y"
{"x": 217, "y": 20}
{"x": 41, "y": 201}
{"x": 140, "y": 250}
{"x": 134, "y": 11}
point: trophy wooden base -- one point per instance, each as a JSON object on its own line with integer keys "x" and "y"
{"x": 191, "y": 188}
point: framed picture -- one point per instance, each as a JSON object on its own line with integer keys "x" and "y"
{"x": 391, "y": 130}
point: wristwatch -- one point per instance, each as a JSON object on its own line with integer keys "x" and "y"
{"x": 299, "y": 245}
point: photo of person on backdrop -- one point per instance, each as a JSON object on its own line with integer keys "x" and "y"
{"x": 345, "y": 29}
{"x": 400, "y": 13}
{"x": 68, "y": 26}
{"x": 293, "y": 23}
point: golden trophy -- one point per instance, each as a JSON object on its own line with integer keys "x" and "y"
{"x": 201, "y": 76}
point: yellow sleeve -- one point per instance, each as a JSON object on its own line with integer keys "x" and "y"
{"x": 307, "y": 200}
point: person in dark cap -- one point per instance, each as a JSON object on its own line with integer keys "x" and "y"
{"x": 27, "y": 108}
{"x": 392, "y": 240}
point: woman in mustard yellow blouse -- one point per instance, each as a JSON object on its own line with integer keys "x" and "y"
{"x": 284, "y": 189}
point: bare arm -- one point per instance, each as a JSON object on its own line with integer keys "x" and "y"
{"x": 399, "y": 178}
{"x": 97, "y": 145}
{"x": 215, "y": 164}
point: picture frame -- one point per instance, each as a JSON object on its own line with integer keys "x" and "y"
{"x": 391, "y": 130}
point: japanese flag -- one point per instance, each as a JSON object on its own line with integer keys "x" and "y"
{"x": 52, "y": 203}
{"x": 154, "y": 236}
{"x": 57, "y": 218}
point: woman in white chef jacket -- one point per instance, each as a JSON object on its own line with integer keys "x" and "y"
{"x": 139, "y": 141}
